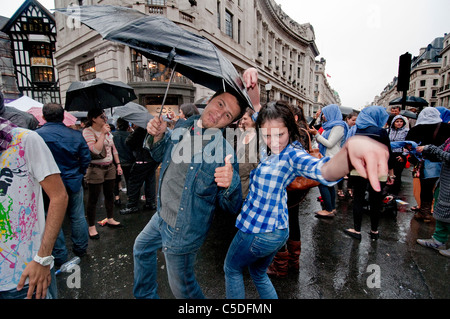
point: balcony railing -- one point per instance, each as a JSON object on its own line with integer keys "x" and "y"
{"x": 186, "y": 17}
{"x": 156, "y": 9}
{"x": 145, "y": 75}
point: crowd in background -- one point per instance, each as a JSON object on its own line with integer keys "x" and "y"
{"x": 95, "y": 156}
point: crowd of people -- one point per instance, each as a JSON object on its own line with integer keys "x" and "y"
{"x": 46, "y": 172}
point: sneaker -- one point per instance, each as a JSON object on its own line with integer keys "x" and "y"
{"x": 445, "y": 252}
{"x": 129, "y": 210}
{"x": 431, "y": 243}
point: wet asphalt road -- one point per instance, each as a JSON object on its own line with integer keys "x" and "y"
{"x": 332, "y": 265}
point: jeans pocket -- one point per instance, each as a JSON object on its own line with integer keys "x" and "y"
{"x": 266, "y": 243}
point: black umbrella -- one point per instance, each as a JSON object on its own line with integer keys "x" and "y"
{"x": 409, "y": 114}
{"x": 161, "y": 40}
{"x": 97, "y": 93}
{"x": 412, "y": 101}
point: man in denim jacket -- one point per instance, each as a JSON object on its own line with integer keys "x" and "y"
{"x": 197, "y": 175}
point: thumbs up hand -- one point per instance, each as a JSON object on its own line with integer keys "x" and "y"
{"x": 224, "y": 174}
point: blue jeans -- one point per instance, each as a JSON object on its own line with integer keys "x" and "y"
{"x": 79, "y": 228}
{"x": 256, "y": 252}
{"x": 328, "y": 194}
{"x": 52, "y": 291}
{"x": 180, "y": 267}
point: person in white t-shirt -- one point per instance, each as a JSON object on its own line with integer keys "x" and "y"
{"x": 27, "y": 236}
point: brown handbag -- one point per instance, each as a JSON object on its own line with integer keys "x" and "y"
{"x": 301, "y": 182}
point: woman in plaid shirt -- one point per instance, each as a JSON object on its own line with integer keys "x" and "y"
{"x": 263, "y": 221}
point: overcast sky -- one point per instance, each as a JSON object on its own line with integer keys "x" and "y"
{"x": 361, "y": 40}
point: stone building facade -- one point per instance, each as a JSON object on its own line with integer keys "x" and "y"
{"x": 430, "y": 76}
{"x": 424, "y": 79}
{"x": 323, "y": 93}
{"x": 249, "y": 33}
{"x": 444, "y": 74}
{"x": 32, "y": 36}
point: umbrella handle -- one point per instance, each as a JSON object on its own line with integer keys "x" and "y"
{"x": 148, "y": 141}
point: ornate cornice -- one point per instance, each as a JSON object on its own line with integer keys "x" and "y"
{"x": 300, "y": 32}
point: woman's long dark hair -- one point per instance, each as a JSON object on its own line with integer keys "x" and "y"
{"x": 93, "y": 113}
{"x": 281, "y": 110}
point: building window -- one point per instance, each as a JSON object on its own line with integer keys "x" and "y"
{"x": 41, "y": 50}
{"x": 35, "y": 25}
{"x": 228, "y": 24}
{"x": 239, "y": 31}
{"x": 423, "y": 83}
{"x": 87, "y": 71}
{"x": 136, "y": 63}
{"x": 42, "y": 74}
{"x": 156, "y": 2}
{"x": 218, "y": 15}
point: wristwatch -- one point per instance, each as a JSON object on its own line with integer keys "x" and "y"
{"x": 44, "y": 261}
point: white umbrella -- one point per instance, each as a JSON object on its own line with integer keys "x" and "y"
{"x": 24, "y": 103}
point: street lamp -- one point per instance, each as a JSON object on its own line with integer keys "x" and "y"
{"x": 268, "y": 89}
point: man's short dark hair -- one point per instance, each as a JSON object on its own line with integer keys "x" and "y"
{"x": 53, "y": 113}
{"x": 241, "y": 102}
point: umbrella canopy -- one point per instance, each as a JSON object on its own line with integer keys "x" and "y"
{"x": 134, "y": 113}
{"x": 409, "y": 114}
{"x": 79, "y": 114}
{"x": 347, "y": 110}
{"x": 161, "y": 40}
{"x": 24, "y": 103}
{"x": 69, "y": 119}
{"x": 85, "y": 95}
{"x": 413, "y": 101}
{"x": 203, "y": 101}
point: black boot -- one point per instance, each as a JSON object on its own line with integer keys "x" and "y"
{"x": 129, "y": 210}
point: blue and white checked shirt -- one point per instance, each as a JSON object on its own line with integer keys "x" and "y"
{"x": 265, "y": 208}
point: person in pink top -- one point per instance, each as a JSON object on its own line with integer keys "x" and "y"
{"x": 101, "y": 172}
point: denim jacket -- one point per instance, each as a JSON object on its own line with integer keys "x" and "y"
{"x": 201, "y": 195}
{"x": 70, "y": 150}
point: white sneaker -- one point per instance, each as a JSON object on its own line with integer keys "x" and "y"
{"x": 445, "y": 252}
{"x": 431, "y": 243}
